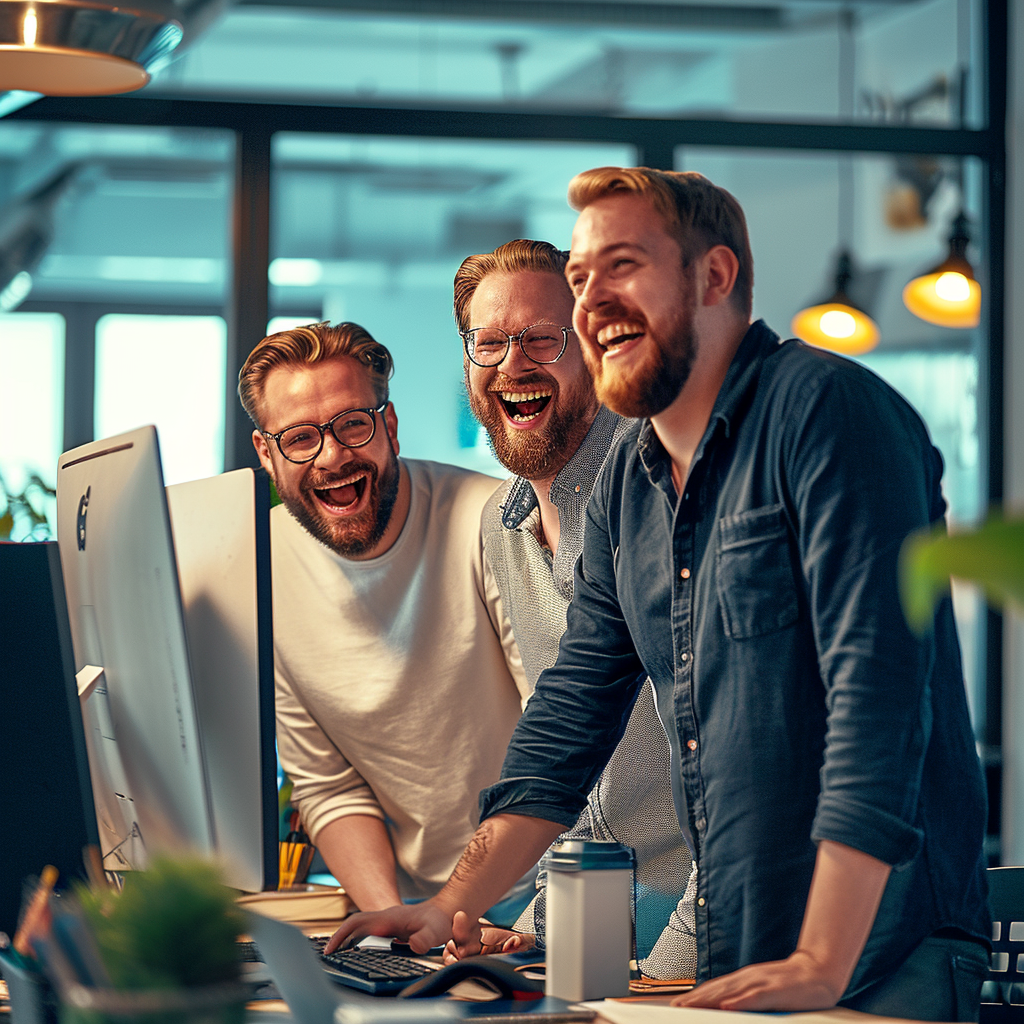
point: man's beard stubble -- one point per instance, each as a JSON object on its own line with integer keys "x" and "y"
{"x": 656, "y": 384}
{"x": 534, "y": 455}
{"x": 348, "y": 537}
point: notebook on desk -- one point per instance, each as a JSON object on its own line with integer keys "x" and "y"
{"x": 313, "y": 999}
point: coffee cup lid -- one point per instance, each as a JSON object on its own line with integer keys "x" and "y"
{"x": 588, "y": 855}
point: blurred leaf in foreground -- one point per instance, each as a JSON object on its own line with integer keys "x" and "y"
{"x": 991, "y": 556}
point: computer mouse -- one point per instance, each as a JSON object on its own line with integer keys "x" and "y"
{"x": 510, "y": 983}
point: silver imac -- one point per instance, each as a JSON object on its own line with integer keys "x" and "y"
{"x": 120, "y": 575}
{"x": 169, "y": 594}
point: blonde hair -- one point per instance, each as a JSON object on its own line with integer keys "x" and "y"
{"x": 306, "y": 346}
{"x": 510, "y": 258}
{"x": 697, "y": 212}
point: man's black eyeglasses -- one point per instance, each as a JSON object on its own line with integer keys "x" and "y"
{"x": 303, "y": 442}
{"x": 541, "y": 343}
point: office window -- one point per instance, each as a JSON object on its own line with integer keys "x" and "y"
{"x": 673, "y": 59}
{"x": 169, "y": 371}
{"x": 31, "y": 407}
{"x": 373, "y": 230}
{"x": 135, "y": 214}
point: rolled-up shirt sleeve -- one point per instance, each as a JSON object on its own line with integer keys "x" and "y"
{"x": 860, "y": 486}
{"x": 325, "y": 786}
{"x": 578, "y": 712}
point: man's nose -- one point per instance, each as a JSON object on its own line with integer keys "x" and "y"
{"x": 332, "y": 452}
{"x": 594, "y": 293}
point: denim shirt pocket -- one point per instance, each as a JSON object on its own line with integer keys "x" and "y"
{"x": 754, "y": 575}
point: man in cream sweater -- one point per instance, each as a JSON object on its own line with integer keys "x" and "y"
{"x": 398, "y": 686}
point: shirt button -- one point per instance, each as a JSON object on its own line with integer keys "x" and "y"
{"x": 691, "y": 744}
{"x": 685, "y": 573}
{"x": 700, "y": 901}
{"x": 684, "y": 657}
{"x": 701, "y": 824}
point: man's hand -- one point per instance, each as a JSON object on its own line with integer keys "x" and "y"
{"x": 470, "y": 939}
{"x": 796, "y": 983}
{"x": 422, "y": 925}
{"x": 846, "y": 889}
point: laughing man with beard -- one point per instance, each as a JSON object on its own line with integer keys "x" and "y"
{"x": 398, "y": 686}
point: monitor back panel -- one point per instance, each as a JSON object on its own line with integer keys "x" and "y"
{"x": 221, "y": 531}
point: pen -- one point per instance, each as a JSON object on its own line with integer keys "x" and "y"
{"x": 35, "y": 921}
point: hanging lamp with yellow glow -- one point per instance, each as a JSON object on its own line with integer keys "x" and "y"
{"x": 948, "y": 295}
{"x": 837, "y": 324}
{"x": 91, "y": 47}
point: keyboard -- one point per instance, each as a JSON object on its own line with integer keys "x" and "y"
{"x": 378, "y": 971}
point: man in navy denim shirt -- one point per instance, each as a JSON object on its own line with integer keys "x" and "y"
{"x": 741, "y": 547}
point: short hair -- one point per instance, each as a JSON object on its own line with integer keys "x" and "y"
{"x": 697, "y": 212}
{"x": 307, "y": 346}
{"x": 510, "y": 258}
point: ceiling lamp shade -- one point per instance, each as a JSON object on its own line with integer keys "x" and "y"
{"x": 948, "y": 295}
{"x": 837, "y": 324}
{"x": 81, "y": 48}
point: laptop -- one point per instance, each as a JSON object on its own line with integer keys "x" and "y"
{"x": 313, "y": 999}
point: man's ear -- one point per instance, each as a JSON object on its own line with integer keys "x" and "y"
{"x": 391, "y": 422}
{"x": 259, "y": 442}
{"x": 719, "y": 267}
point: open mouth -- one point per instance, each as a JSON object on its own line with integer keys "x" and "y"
{"x": 524, "y": 406}
{"x": 343, "y": 496}
{"x": 611, "y": 336}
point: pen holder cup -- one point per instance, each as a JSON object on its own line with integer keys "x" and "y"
{"x": 32, "y": 999}
{"x": 295, "y": 861}
{"x": 203, "y": 1004}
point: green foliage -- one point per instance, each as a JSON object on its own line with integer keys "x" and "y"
{"x": 991, "y": 556}
{"x": 23, "y": 515}
{"x": 174, "y": 925}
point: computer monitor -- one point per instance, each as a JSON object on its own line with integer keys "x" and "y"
{"x": 124, "y": 603}
{"x": 221, "y": 529}
{"x": 169, "y": 593}
{"x": 46, "y": 807}
{"x": 212, "y": 599}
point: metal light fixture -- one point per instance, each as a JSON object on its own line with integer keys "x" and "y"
{"x": 838, "y": 323}
{"x": 82, "y": 48}
{"x": 948, "y": 295}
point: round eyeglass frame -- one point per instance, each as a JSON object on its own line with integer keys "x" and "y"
{"x": 320, "y": 428}
{"x": 467, "y": 337}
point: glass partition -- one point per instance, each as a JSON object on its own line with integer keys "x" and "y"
{"x": 169, "y": 371}
{"x": 31, "y": 418}
{"x": 755, "y": 61}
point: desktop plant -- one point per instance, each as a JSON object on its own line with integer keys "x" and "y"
{"x": 992, "y": 556}
{"x": 173, "y": 929}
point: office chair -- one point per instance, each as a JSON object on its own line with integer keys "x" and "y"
{"x": 1002, "y": 995}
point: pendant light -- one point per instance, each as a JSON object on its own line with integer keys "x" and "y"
{"x": 948, "y": 295}
{"x": 88, "y": 48}
{"x": 837, "y": 323}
